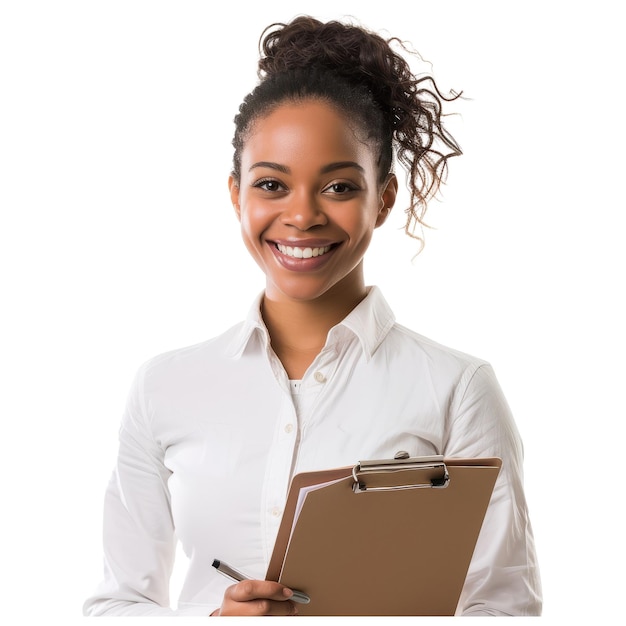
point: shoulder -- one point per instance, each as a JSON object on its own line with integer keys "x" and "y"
{"x": 184, "y": 362}
{"x": 410, "y": 344}
{"x": 430, "y": 366}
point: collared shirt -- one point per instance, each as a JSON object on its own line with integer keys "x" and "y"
{"x": 211, "y": 437}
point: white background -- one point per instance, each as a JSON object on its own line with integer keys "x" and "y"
{"x": 118, "y": 242}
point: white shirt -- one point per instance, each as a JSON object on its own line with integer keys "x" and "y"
{"x": 211, "y": 437}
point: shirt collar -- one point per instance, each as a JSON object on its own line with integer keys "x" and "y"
{"x": 253, "y": 324}
{"x": 369, "y": 321}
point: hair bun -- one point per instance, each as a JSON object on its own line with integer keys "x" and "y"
{"x": 306, "y": 42}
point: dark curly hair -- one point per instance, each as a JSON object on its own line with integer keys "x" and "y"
{"x": 359, "y": 72}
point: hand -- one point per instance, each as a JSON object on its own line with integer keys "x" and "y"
{"x": 257, "y": 597}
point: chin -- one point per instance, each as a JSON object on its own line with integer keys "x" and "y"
{"x": 296, "y": 291}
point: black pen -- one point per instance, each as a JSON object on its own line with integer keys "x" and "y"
{"x": 233, "y": 574}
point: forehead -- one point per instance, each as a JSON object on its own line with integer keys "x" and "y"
{"x": 311, "y": 129}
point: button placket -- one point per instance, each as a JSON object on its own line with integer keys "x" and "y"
{"x": 278, "y": 474}
{"x": 324, "y": 365}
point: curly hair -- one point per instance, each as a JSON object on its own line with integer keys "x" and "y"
{"x": 359, "y": 72}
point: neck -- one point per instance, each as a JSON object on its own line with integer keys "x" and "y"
{"x": 298, "y": 329}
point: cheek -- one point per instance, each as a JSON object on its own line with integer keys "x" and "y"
{"x": 255, "y": 221}
{"x": 360, "y": 224}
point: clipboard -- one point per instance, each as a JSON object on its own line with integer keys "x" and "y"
{"x": 384, "y": 537}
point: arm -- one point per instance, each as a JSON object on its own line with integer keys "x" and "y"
{"x": 503, "y": 578}
{"x": 139, "y": 538}
{"x": 138, "y": 532}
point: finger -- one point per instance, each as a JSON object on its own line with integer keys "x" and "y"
{"x": 253, "y": 597}
{"x": 258, "y": 608}
{"x": 258, "y": 589}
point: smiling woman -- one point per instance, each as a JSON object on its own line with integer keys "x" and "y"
{"x": 319, "y": 374}
{"x": 309, "y": 199}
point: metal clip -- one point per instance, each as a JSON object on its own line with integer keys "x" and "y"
{"x": 436, "y": 473}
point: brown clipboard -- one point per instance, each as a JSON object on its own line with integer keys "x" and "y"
{"x": 388, "y": 537}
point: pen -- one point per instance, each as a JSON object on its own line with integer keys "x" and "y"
{"x": 233, "y": 574}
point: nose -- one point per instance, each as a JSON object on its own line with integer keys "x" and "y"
{"x": 303, "y": 211}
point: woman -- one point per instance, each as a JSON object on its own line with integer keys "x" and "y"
{"x": 319, "y": 374}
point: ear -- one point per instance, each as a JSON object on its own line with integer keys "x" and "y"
{"x": 387, "y": 199}
{"x": 233, "y": 187}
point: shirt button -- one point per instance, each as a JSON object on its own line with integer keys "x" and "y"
{"x": 319, "y": 377}
{"x": 289, "y": 428}
{"x": 276, "y": 511}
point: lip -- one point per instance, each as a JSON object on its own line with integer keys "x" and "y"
{"x": 303, "y": 265}
{"x": 304, "y": 243}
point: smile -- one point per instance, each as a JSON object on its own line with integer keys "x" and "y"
{"x": 302, "y": 253}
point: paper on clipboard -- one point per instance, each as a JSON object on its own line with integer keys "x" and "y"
{"x": 304, "y": 491}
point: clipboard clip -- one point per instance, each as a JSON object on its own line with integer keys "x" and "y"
{"x": 367, "y": 475}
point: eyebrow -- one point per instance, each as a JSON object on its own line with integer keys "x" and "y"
{"x": 331, "y": 167}
{"x": 342, "y": 165}
{"x": 273, "y": 166}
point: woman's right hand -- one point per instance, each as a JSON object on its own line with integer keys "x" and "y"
{"x": 257, "y": 597}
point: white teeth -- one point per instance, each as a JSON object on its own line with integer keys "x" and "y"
{"x": 302, "y": 253}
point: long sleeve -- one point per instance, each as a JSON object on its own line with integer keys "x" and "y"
{"x": 138, "y": 532}
{"x": 503, "y": 578}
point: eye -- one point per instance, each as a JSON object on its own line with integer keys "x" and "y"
{"x": 268, "y": 184}
{"x": 340, "y": 188}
